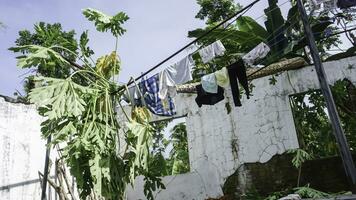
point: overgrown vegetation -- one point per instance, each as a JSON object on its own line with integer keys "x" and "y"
{"x": 312, "y": 122}
{"x": 304, "y": 192}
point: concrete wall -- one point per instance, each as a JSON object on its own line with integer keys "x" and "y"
{"x": 22, "y": 150}
{"x": 219, "y": 143}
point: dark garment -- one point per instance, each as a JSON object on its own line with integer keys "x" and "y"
{"x": 346, "y": 3}
{"x": 238, "y": 71}
{"x": 206, "y": 98}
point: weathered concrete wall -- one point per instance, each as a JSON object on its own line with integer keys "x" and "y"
{"x": 22, "y": 150}
{"x": 261, "y": 128}
{"x": 192, "y": 186}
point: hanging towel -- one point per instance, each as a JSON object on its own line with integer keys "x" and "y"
{"x": 132, "y": 96}
{"x": 178, "y": 73}
{"x": 205, "y": 98}
{"x": 167, "y": 86}
{"x": 181, "y": 72}
{"x": 238, "y": 71}
{"x": 150, "y": 90}
{"x": 346, "y": 3}
{"x": 222, "y": 77}
{"x": 213, "y": 50}
{"x": 260, "y": 51}
{"x": 208, "y": 83}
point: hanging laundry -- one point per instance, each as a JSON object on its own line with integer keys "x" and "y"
{"x": 179, "y": 73}
{"x": 208, "y": 83}
{"x": 213, "y": 50}
{"x": 260, "y": 51}
{"x": 132, "y": 95}
{"x": 323, "y": 5}
{"x": 238, "y": 71}
{"x": 343, "y": 4}
{"x": 222, "y": 77}
{"x": 206, "y": 98}
{"x": 150, "y": 90}
{"x": 167, "y": 86}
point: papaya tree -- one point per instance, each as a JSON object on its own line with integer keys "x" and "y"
{"x": 81, "y": 108}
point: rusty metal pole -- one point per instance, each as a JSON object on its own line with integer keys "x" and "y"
{"x": 344, "y": 149}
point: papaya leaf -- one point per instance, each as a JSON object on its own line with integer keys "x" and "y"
{"x": 38, "y": 55}
{"x": 104, "y": 23}
{"x": 62, "y": 97}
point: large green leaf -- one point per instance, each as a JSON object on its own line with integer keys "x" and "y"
{"x": 245, "y": 40}
{"x": 144, "y": 140}
{"x": 95, "y": 169}
{"x": 62, "y": 97}
{"x": 38, "y": 55}
{"x": 104, "y": 22}
{"x": 248, "y": 25}
{"x": 276, "y": 28}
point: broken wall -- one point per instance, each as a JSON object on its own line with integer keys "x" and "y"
{"x": 221, "y": 143}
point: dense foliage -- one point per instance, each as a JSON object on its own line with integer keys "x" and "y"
{"x": 285, "y": 36}
{"x": 312, "y": 122}
{"x": 177, "y": 160}
{"x": 46, "y": 35}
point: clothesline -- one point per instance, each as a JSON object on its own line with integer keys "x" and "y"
{"x": 160, "y": 88}
{"x": 194, "y": 52}
{"x": 219, "y": 95}
{"x": 189, "y": 44}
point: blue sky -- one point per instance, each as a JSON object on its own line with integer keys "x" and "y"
{"x": 156, "y": 29}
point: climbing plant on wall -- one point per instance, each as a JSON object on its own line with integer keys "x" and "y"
{"x": 80, "y": 108}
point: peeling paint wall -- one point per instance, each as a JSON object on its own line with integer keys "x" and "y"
{"x": 219, "y": 143}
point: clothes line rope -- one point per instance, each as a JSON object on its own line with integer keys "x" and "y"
{"x": 242, "y": 12}
{"x": 190, "y": 88}
{"x": 189, "y": 44}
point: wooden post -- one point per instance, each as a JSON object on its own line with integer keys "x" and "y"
{"x": 330, "y": 104}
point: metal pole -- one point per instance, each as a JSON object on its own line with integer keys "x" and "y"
{"x": 330, "y": 104}
{"x": 45, "y": 173}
